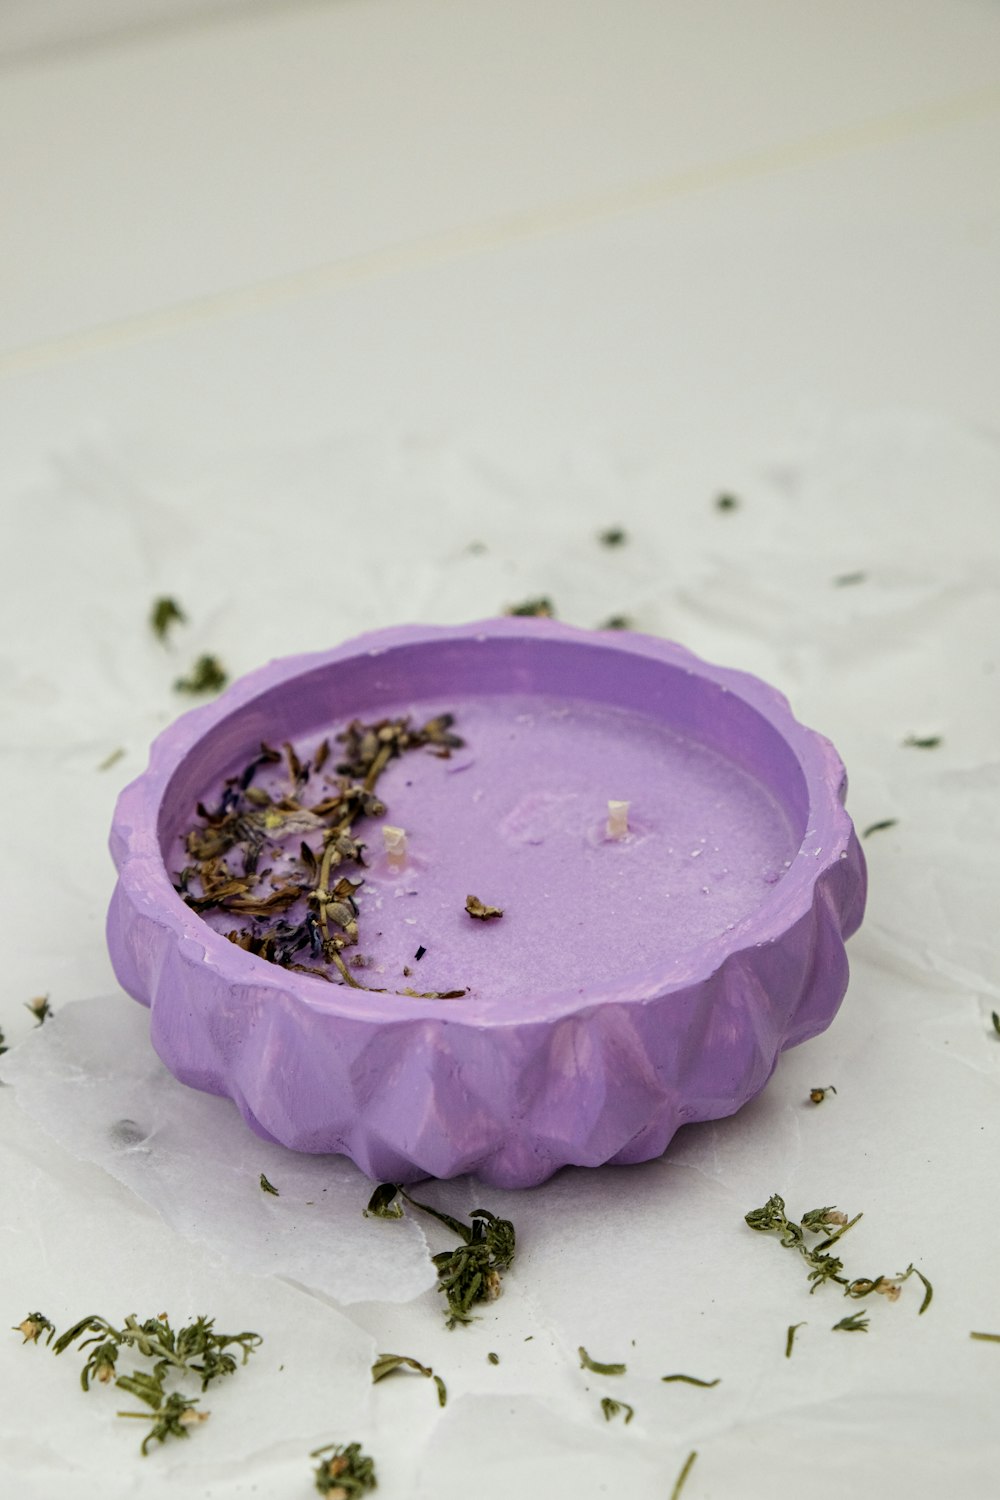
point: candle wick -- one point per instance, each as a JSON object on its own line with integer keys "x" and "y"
{"x": 617, "y": 824}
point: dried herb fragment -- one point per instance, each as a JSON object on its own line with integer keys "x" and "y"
{"x": 382, "y": 1203}
{"x": 389, "y": 1364}
{"x": 790, "y": 1339}
{"x": 477, "y": 908}
{"x": 111, "y": 760}
{"x": 928, "y": 1290}
{"x": 682, "y": 1476}
{"x": 924, "y": 742}
{"x": 827, "y": 1221}
{"x": 470, "y": 1273}
{"x": 586, "y": 1363}
{"x": 880, "y": 827}
{"x": 346, "y": 1473}
{"x": 420, "y": 953}
{"x": 172, "y": 1416}
{"x": 40, "y": 1008}
{"x": 195, "y": 1349}
{"x": 693, "y": 1380}
{"x": 614, "y": 537}
{"x": 33, "y": 1326}
{"x": 541, "y": 608}
{"x": 164, "y": 613}
{"x": 726, "y": 502}
{"x": 433, "y": 994}
{"x": 854, "y": 1323}
{"x": 818, "y": 1095}
{"x": 494, "y": 1359}
{"x": 987, "y": 1338}
{"x": 268, "y": 1187}
{"x": 617, "y": 622}
{"x": 611, "y": 1408}
{"x": 844, "y": 580}
{"x": 208, "y": 675}
{"x": 3, "y": 1043}
{"x": 993, "y": 1017}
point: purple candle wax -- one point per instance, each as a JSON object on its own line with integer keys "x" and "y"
{"x": 632, "y": 983}
{"x": 518, "y": 817}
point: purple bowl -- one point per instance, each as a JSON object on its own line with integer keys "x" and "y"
{"x": 633, "y": 984}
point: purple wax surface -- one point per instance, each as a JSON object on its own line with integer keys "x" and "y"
{"x": 518, "y": 817}
{"x": 631, "y": 985}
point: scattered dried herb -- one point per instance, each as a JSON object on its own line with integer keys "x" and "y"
{"x": 823, "y": 1266}
{"x": 853, "y": 1323}
{"x": 617, "y": 622}
{"x": 470, "y": 1273}
{"x": 195, "y": 1349}
{"x": 586, "y": 1363}
{"x": 726, "y": 502}
{"x": 389, "y": 1364}
{"x": 541, "y": 607}
{"x": 693, "y": 1380}
{"x": 268, "y": 1187}
{"x": 208, "y": 675}
{"x": 165, "y": 613}
{"x": 993, "y": 1017}
{"x": 682, "y": 1476}
{"x": 419, "y": 953}
{"x": 111, "y": 760}
{"x": 923, "y": 742}
{"x": 818, "y": 1095}
{"x": 890, "y": 1287}
{"x": 790, "y": 1339}
{"x": 305, "y": 917}
{"x": 494, "y": 1359}
{"x": 477, "y": 908}
{"x": 880, "y": 826}
{"x": 826, "y": 1221}
{"x": 611, "y": 1408}
{"x": 987, "y": 1338}
{"x": 3, "y": 1043}
{"x": 433, "y": 994}
{"x": 40, "y": 1008}
{"x": 170, "y": 1416}
{"x": 33, "y": 1326}
{"x": 614, "y": 537}
{"x": 382, "y": 1203}
{"x": 928, "y": 1289}
{"x": 844, "y": 580}
{"x": 345, "y": 1473}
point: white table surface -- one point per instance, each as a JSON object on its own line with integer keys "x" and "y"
{"x": 297, "y": 302}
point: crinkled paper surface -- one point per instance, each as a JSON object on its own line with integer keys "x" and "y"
{"x": 132, "y": 1186}
{"x": 791, "y": 302}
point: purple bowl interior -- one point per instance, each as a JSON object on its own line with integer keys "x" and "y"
{"x": 582, "y": 913}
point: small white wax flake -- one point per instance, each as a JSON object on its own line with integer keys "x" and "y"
{"x": 695, "y": 853}
{"x": 410, "y": 921}
{"x": 394, "y": 840}
{"x": 617, "y": 824}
